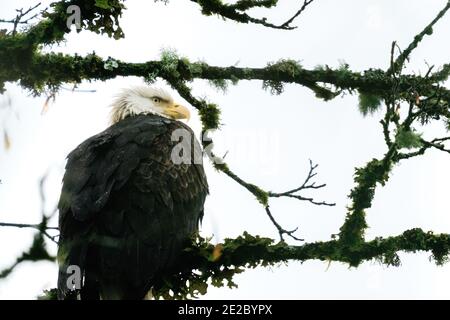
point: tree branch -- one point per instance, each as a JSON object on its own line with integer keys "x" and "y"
{"x": 205, "y": 263}
{"x": 39, "y": 227}
{"x": 36, "y": 252}
{"x": 306, "y": 185}
{"x": 59, "y": 69}
{"x": 20, "y": 15}
{"x": 435, "y": 143}
{"x": 237, "y": 11}
{"x": 306, "y": 3}
{"x": 281, "y": 230}
{"x": 428, "y": 30}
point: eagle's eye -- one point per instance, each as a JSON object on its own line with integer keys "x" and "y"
{"x": 156, "y": 100}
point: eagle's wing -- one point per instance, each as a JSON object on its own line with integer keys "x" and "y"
{"x": 126, "y": 209}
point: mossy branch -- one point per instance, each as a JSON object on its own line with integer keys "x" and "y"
{"x": 37, "y": 71}
{"x": 238, "y": 11}
{"x": 428, "y": 30}
{"x": 205, "y": 263}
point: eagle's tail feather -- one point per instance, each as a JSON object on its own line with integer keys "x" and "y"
{"x": 71, "y": 269}
{"x": 90, "y": 288}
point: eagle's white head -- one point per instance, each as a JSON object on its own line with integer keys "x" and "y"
{"x": 144, "y": 99}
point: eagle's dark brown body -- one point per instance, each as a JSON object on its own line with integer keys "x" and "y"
{"x": 126, "y": 210}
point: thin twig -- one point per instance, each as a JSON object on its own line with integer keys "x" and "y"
{"x": 400, "y": 61}
{"x": 40, "y": 227}
{"x": 20, "y": 15}
{"x": 307, "y": 184}
{"x": 281, "y": 231}
{"x": 435, "y": 143}
{"x": 306, "y": 3}
{"x": 25, "y": 225}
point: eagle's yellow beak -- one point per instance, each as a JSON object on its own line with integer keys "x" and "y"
{"x": 177, "y": 111}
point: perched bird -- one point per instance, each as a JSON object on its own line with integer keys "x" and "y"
{"x": 127, "y": 208}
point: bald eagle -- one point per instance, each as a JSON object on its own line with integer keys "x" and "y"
{"x": 126, "y": 208}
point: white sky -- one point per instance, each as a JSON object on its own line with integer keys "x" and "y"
{"x": 269, "y": 139}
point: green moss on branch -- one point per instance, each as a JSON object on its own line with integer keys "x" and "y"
{"x": 205, "y": 263}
